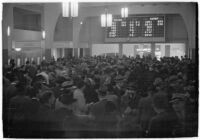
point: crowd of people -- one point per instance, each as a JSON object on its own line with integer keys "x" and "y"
{"x": 101, "y": 97}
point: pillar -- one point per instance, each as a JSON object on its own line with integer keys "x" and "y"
{"x": 63, "y": 52}
{"x": 75, "y": 52}
{"x": 153, "y": 50}
{"x": 120, "y": 50}
{"x": 167, "y": 50}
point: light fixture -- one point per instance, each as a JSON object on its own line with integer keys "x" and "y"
{"x": 8, "y": 31}
{"x": 124, "y": 12}
{"x": 109, "y": 20}
{"x": 43, "y": 34}
{"x": 65, "y": 9}
{"x": 103, "y": 20}
{"x": 74, "y": 8}
{"x": 70, "y": 9}
{"x": 106, "y": 20}
{"x": 18, "y": 49}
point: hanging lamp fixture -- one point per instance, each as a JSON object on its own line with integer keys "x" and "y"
{"x": 70, "y": 9}
{"x": 106, "y": 19}
{"x": 124, "y": 12}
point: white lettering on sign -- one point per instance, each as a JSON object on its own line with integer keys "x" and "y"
{"x": 154, "y": 18}
{"x": 117, "y": 19}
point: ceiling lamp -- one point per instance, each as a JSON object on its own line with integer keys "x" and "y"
{"x": 74, "y": 9}
{"x": 65, "y": 9}
{"x": 18, "y": 49}
{"x": 124, "y": 12}
{"x": 8, "y": 31}
{"x": 106, "y": 20}
{"x": 70, "y": 9}
{"x": 43, "y": 34}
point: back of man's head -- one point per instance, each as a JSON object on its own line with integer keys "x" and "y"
{"x": 160, "y": 100}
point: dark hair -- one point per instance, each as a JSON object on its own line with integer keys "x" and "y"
{"x": 80, "y": 83}
{"x": 37, "y": 86}
{"x": 27, "y": 62}
{"x": 110, "y": 107}
{"x": 46, "y": 96}
{"x": 160, "y": 100}
{"x": 21, "y": 88}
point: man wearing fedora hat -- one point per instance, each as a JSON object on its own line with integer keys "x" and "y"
{"x": 162, "y": 124}
{"x": 186, "y": 118}
{"x": 67, "y": 122}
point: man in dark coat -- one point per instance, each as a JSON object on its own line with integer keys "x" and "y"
{"x": 146, "y": 111}
{"x": 161, "y": 125}
{"x": 67, "y": 123}
{"x": 19, "y": 112}
{"x": 45, "y": 116}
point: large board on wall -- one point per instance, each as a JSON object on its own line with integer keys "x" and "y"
{"x": 136, "y": 28}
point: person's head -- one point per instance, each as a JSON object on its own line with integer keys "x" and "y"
{"x": 33, "y": 63}
{"x": 27, "y": 62}
{"x": 159, "y": 84}
{"x": 119, "y": 81}
{"x": 178, "y": 102}
{"x": 31, "y": 92}
{"x": 102, "y": 92}
{"x": 37, "y": 87}
{"x": 21, "y": 88}
{"x": 110, "y": 107}
{"x": 160, "y": 102}
{"x": 47, "y": 98}
{"x": 80, "y": 84}
{"x": 151, "y": 90}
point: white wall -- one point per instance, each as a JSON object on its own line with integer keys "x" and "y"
{"x": 177, "y": 49}
{"x": 128, "y": 49}
{"x": 26, "y": 35}
{"x": 99, "y": 49}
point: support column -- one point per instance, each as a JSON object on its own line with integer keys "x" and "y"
{"x": 78, "y": 52}
{"x": 167, "y": 50}
{"x": 89, "y": 49}
{"x": 120, "y": 50}
{"x": 153, "y": 45}
{"x": 63, "y": 52}
{"x": 75, "y": 52}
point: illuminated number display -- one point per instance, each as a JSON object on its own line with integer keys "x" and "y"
{"x": 136, "y": 29}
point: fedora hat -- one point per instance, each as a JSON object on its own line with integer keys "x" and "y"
{"x": 67, "y": 84}
{"x": 178, "y": 97}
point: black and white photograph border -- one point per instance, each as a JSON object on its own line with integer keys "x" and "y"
{"x": 99, "y": 69}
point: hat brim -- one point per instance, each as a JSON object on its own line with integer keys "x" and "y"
{"x": 176, "y": 100}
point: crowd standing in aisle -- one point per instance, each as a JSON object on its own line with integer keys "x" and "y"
{"x": 101, "y": 97}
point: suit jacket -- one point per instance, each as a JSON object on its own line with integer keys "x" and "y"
{"x": 146, "y": 111}
{"x": 162, "y": 125}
